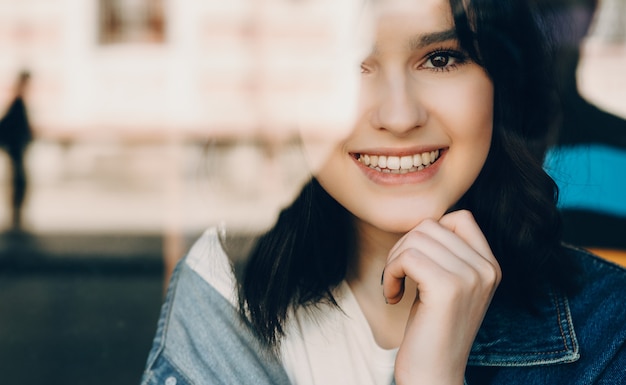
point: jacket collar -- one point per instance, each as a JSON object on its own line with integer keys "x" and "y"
{"x": 510, "y": 337}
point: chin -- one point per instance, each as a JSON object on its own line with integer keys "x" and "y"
{"x": 400, "y": 226}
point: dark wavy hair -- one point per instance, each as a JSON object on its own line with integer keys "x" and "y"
{"x": 305, "y": 255}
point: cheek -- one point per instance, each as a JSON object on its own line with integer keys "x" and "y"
{"x": 333, "y": 173}
{"x": 470, "y": 114}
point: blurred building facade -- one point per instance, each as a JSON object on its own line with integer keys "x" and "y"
{"x": 105, "y": 68}
{"x": 125, "y": 98}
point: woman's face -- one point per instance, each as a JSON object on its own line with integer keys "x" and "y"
{"x": 424, "y": 124}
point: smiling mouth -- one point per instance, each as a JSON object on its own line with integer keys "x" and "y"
{"x": 399, "y": 164}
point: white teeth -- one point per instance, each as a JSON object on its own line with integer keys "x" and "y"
{"x": 382, "y": 161}
{"x": 417, "y": 160}
{"x": 393, "y": 163}
{"x": 397, "y": 164}
{"x": 406, "y": 162}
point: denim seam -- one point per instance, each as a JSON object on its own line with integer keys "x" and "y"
{"x": 168, "y": 306}
{"x": 570, "y": 343}
{"x": 556, "y": 303}
{"x": 569, "y": 338}
{"x": 603, "y": 262}
{"x": 564, "y": 334}
{"x": 570, "y": 323}
{"x": 597, "y": 260}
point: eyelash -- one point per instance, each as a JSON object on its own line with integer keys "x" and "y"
{"x": 458, "y": 58}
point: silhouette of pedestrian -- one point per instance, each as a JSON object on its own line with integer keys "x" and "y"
{"x": 15, "y": 135}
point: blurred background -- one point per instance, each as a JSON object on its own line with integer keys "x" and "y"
{"x": 139, "y": 140}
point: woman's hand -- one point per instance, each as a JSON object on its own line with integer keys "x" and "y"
{"x": 456, "y": 276}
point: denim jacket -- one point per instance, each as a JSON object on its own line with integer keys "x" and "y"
{"x": 577, "y": 340}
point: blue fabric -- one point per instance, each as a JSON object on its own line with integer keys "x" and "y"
{"x": 201, "y": 340}
{"x": 574, "y": 341}
{"x": 570, "y": 341}
{"x": 590, "y": 177}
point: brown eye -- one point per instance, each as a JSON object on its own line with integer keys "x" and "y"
{"x": 440, "y": 60}
{"x": 444, "y": 60}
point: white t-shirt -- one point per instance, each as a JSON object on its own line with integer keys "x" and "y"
{"x": 323, "y": 344}
{"x": 327, "y": 345}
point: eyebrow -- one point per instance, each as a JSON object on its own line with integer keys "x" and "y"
{"x": 420, "y": 41}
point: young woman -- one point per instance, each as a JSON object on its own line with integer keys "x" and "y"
{"x": 426, "y": 249}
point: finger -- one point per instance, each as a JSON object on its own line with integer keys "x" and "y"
{"x": 440, "y": 236}
{"x": 413, "y": 264}
{"x": 421, "y": 239}
{"x": 461, "y": 221}
{"x": 463, "y": 224}
{"x": 426, "y": 264}
{"x": 447, "y": 250}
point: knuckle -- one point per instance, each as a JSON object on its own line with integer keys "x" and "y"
{"x": 415, "y": 237}
{"x": 493, "y": 275}
{"x": 426, "y": 224}
{"x": 465, "y": 215}
{"x": 489, "y": 267}
{"x": 413, "y": 256}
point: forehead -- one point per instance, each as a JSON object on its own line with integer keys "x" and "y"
{"x": 413, "y": 24}
{"x": 422, "y": 11}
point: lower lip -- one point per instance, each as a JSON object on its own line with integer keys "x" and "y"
{"x": 415, "y": 177}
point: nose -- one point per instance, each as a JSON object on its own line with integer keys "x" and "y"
{"x": 399, "y": 109}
